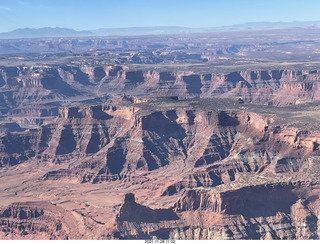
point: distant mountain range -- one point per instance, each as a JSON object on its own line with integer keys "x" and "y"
{"x": 130, "y": 31}
{"x": 43, "y": 32}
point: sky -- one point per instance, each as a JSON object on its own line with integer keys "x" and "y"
{"x": 94, "y": 14}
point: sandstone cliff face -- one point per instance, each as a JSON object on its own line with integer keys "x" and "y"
{"x": 46, "y": 84}
{"x": 197, "y": 139}
{"x": 170, "y": 150}
{"x": 277, "y": 87}
{"x": 83, "y": 131}
{"x": 36, "y": 220}
{"x": 130, "y": 142}
{"x": 110, "y": 142}
{"x": 250, "y": 171}
{"x": 268, "y": 211}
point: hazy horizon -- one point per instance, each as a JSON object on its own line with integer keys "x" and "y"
{"x": 95, "y": 14}
{"x": 163, "y": 26}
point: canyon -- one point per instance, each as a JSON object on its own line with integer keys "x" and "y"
{"x": 185, "y": 137}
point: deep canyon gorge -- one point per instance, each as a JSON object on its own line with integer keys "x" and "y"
{"x": 185, "y": 137}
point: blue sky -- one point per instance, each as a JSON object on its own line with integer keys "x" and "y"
{"x": 93, "y": 14}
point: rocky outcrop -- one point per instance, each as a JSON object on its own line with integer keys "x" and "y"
{"x": 257, "y": 178}
{"x": 111, "y": 142}
{"x": 46, "y": 83}
{"x": 63, "y": 137}
{"x": 263, "y": 87}
{"x": 156, "y": 140}
{"x": 36, "y": 220}
{"x": 265, "y": 211}
{"x": 251, "y": 201}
